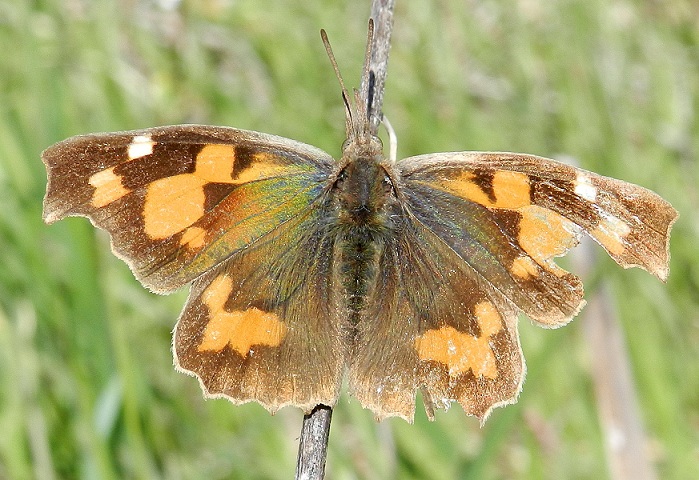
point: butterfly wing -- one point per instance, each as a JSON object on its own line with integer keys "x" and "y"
{"x": 480, "y": 234}
{"x": 263, "y": 325}
{"x": 178, "y": 200}
{"x": 237, "y": 212}
{"x": 440, "y": 327}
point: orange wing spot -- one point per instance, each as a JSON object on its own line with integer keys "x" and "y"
{"x": 524, "y": 267}
{"x": 464, "y": 187}
{"x": 511, "y": 189}
{"x": 140, "y": 146}
{"x": 489, "y": 319}
{"x": 239, "y": 329}
{"x": 261, "y": 169}
{"x": 610, "y": 233}
{"x": 460, "y": 351}
{"x": 108, "y": 188}
{"x": 215, "y": 163}
{"x": 545, "y": 234}
{"x": 193, "y": 237}
{"x": 266, "y": 157}
{"x": 173, "y": 204}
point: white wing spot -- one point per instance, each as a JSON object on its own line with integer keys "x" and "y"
{"x": 584, "y": 187}
{"x": 140, "y": 146}
{"x": 614, "y": 226}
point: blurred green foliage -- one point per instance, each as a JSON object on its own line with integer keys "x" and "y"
{"x": 87, "y": 388}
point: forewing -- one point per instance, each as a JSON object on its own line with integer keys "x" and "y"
{"x": 178, "y": 200}
{"x": 263, "y": 326}
{"x": 508, "y": 215}
{"x": 433, "y": 324}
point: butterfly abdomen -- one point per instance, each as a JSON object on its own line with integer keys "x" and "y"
{"x": 359, "y": 250}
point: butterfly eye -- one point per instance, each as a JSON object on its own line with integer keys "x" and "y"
{"x": 388, "y": 185}
{"x": 341, "y": 177}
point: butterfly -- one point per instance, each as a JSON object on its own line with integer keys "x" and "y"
{"x": 307, "y": 271}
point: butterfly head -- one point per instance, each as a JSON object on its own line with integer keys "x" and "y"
{"x": 365, "y": 194}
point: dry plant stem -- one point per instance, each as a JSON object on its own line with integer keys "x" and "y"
{"x": 382, "y": 13}
{"x": 313, "y": 444}
{"x": 625, "y": 440}
{"x": 626, "y": 443}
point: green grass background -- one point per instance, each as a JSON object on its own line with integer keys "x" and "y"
{"x": 87, "y": 388}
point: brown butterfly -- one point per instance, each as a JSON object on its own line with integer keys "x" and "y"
{"x": 306, "y": 270}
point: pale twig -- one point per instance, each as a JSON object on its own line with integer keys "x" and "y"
{"x": 625, "y": 440}
{"x": 382, "y": 13}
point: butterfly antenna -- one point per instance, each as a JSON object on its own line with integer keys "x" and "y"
{"x": 349, "y": 123}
